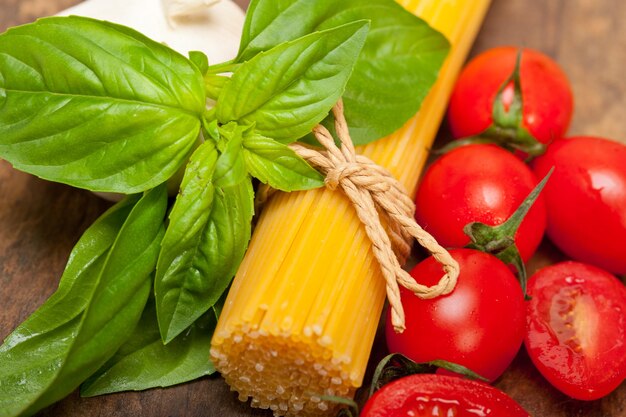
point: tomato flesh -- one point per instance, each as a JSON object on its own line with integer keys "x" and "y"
{"x": 576, "y": 328}
{"x": 440, "y": 395}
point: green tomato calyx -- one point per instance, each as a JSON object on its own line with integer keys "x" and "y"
{"x": 499, "y": 240}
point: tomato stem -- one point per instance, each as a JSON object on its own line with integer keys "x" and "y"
{"x": 396, "y": 365}
{"x": 351, "y": 408}
{"x": 500, "y": 240}
{"x": 507, "y": 129}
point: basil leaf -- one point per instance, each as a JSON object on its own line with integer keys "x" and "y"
{"x": 208, "y": 233}
{"x": 98, "y": 303}
{"x": 398, "y": 65}
{"x": 96, "y": 105}
{"x": 278, "y": 165}
{"x": 228, "y": 233}
{"x": 180, "y": 266}
{"x": 211, "y": 129}
{"x": 200, "y": 60}
{"x": 230, "y": 168}
{"x": 295, "y": 84}
{"x": 144, "y": 362}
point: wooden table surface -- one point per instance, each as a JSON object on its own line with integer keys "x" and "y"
{"x": 41, "y": 221}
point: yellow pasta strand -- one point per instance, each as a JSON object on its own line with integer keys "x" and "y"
{"x": 300, "y": 318}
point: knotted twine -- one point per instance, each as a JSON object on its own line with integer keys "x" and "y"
{"x": 375, "y": 193}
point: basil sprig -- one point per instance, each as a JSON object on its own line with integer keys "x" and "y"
{"x": 99, "y": 106}
{"x": 297, "y": 82}
{"x": 206, "y": 239}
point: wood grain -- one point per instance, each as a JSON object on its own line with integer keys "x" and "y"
{"x": 40, "y": 221}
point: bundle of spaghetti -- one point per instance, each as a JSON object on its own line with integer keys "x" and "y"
{"x": 301, "y": 315}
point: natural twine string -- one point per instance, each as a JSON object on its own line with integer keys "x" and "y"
{"x": 374, "y": 192}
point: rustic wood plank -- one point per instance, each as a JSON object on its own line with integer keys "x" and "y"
{"x": 40, "y": 221}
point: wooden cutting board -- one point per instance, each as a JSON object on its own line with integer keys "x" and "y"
{"x": 41, "y": 221}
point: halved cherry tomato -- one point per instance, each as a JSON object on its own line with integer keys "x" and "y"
{"x": 576, "y": 328}
{"x": 586, "y": 199}
{"x": 482, "y": 183}
{"x": 479, "y": 325}
{"x": 546, "y": 94}
{"x": 440, "y": 395}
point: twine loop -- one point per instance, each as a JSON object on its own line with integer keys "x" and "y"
{"x": 379, "y": 199}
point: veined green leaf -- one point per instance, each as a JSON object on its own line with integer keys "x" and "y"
{"x": 205, "y": 241}
{"x": 398, "y": 65}
{"x": 180, "y": 264}
{"x": 200, "y": 60}
{"x": 99, "y": 301}
{"x": 144, "y": 362}
{"x": 96, "y": 105}
{"x": 230, "y": 168}
{"x": 278, "y": 165}
{"x": 211, "y": 129}
{"x": 290, "y": 88}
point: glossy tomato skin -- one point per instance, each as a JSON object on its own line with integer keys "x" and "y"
{"x": 479, "y": 325}
{"x": 440, "y": 395}
{"x": 481, "y": 183}
{"x": 547, "y": 95}
{"x": 576, "y": 328}
{"x": 586, "y": 199}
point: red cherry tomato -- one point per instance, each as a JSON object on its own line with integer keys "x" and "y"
{"x": 546, "y": 94}
{"x": 439, "y": 395}
{"x": 576, "y": 328}
{"x": 481, "y": 183}
{"x": 479, "y": 325}
{"x": 586, "y": 200}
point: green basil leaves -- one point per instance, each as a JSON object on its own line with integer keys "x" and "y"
{"x": 96, "y": 105}
{"x": 207, "y": 236}
{"x": 296, "y": 83}
{"x": 398, "y": 65}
